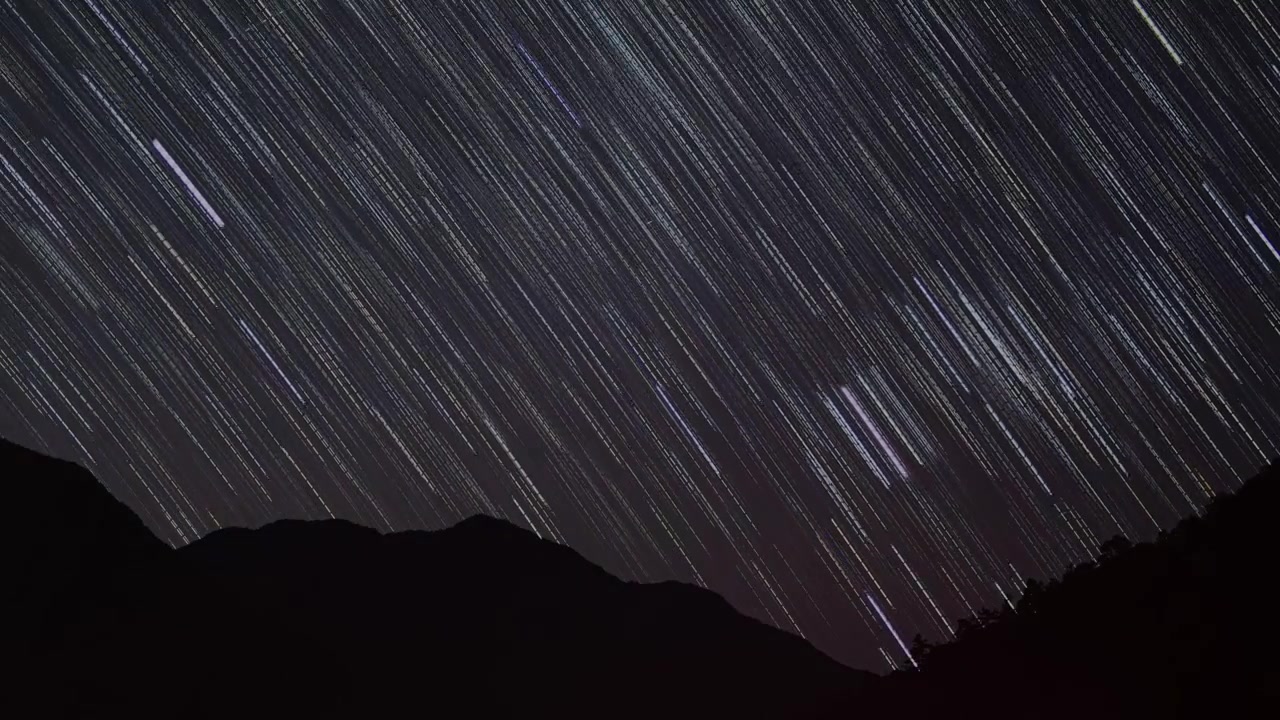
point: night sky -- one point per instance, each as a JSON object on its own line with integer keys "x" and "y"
{"x": 857, "y": 313}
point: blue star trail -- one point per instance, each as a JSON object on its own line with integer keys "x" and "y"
{"x": 856, "y": 313}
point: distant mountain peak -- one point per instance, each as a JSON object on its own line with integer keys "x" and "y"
{"x": 489, "y": 523}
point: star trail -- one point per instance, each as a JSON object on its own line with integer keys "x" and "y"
{"x": 856, "y": 313}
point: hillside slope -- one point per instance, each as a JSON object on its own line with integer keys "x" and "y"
{"x": 1183, "y": 626}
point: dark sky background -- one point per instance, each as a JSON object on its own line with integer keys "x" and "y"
{"x": 857, "y": 313}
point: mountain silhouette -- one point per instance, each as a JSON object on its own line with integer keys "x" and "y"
{"x": 99, "y": 619}
{"x": 331, "y": 619}
{"x": 1180, "y": 627}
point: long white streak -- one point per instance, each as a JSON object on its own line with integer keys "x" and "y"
{"x": 191, "y": 187}
{"x": 1151, "y": 23}
{"x": 878, "y": 436}
{"x": 889, "y": 625}
{"x": 1262, "y": 235}
{"x": 263, "y": 348}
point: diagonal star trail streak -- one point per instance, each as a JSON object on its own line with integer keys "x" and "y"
{"x": 186, "y": 181}
{"x": 856, "y": 313}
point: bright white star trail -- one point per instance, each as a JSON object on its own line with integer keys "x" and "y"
{"x": 808, "y": 302}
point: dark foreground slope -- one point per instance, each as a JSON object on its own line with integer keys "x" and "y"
{"x": 329, "y": 619}
{"x": 1182, "y": 627}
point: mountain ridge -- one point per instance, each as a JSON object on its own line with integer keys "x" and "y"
{"x": 333, "y": 619}
{"x": 330, "y": 618}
